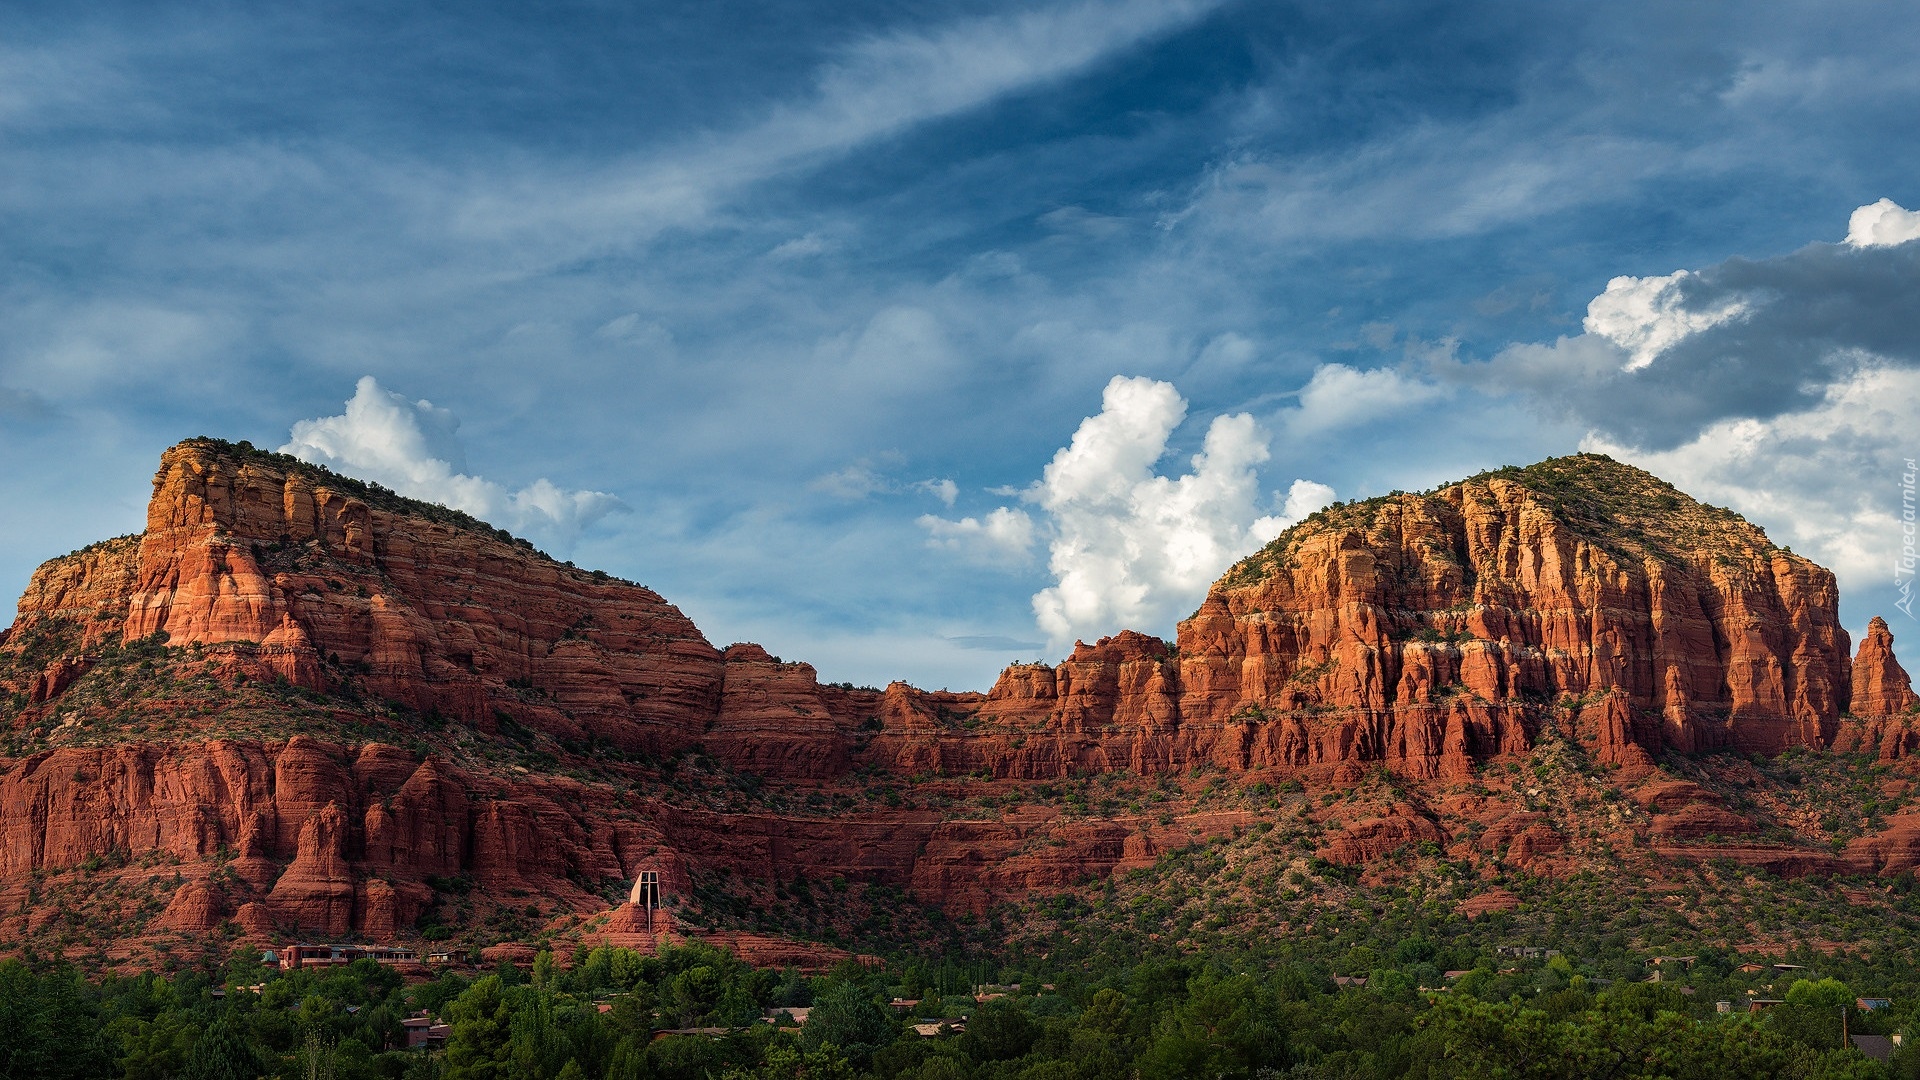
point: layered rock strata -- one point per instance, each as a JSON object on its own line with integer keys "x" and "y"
{"x": 312, "y": 838}
{"x": 1425, "y": 632}
{"x": 1430, "y": 632}
{"x": 1577, "y": 602}
{"x": 334, "y": 580}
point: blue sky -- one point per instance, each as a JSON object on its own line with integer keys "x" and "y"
{"x": 786, "y": 311}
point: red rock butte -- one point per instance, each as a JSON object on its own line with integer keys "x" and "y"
{"x": 1427, "y": 634}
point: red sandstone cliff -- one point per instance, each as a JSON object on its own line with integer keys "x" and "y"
{"x": 1428, "y": 632}
{"x": 1885, "y": 709}
{"x": 307, "y": 837}
{"x": 1423, "y": 633}
{"x": 1880, "y": 684}
{"x": 332, "y": 579}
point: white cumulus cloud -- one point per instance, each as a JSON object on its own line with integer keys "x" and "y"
{"x": 1128, "y": 547}
{"x": 944, "y": 490}
{"x": 1826, "y": 480}
{"x": 1303, "y": 498}
{"x": 1648, "y": 315}
{"x": 412, "y": 447}
{"x": 1338, "y": 396}
{"x": 1005, "y": 535}
{"x": 1882, "y": 224}
{"x": 1798, "y": 413}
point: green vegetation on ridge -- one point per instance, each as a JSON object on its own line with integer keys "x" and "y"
{"x": 374, "y": 495}
{"x": 1622, "y": 509}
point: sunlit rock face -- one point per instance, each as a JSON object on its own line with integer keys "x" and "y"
{"x": 1428, "y": 632}
{"x": 528, "y": 702}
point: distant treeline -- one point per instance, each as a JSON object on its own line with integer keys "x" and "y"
{"x": 613, "y": 1013}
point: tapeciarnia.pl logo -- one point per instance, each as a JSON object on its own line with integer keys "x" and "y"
{"x": 1903, "y": 566}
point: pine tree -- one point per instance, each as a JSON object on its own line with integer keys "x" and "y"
{"x": 221, "y": 1054}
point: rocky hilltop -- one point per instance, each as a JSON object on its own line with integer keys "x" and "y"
{"x": 323, "y": 581}
{"x": 1431, "y": 632}
{"x": 298, "y": 703}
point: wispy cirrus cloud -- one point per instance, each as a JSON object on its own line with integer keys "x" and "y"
{"x": 23, "y": 405}
{"x": 1433, "y": 181}
{"x": 870, "y": 476}
{"x": 873, "y": 87}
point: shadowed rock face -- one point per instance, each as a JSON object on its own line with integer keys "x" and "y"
{"x": 320, "y": 838}
{"x": 1423, "y": 633}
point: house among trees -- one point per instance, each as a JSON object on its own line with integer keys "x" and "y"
{"x": 423, "y": 1033}
{"x": 793, "y": 1014}
{"x": 932, "y": 1029}
{"x": 293, "y": 957}
{"x": 1877, "y": 1047}
{"x": 709, "y": 1032}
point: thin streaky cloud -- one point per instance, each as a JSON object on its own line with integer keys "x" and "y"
{"x": 877, "y": 87}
